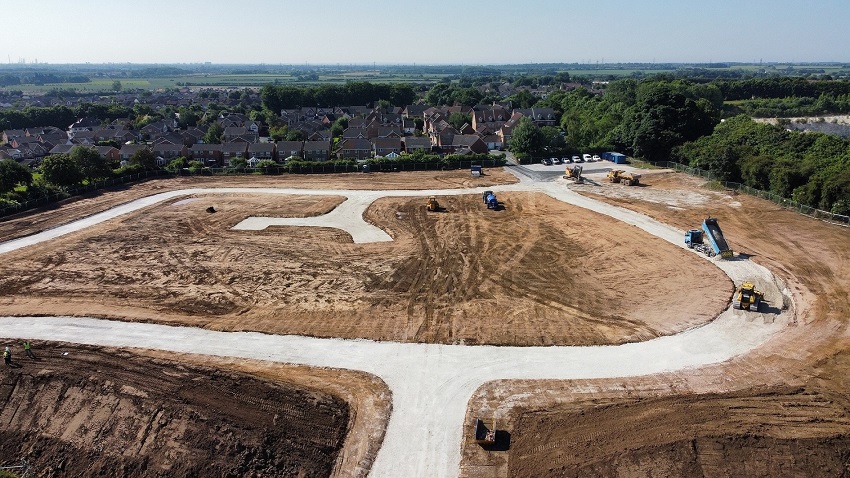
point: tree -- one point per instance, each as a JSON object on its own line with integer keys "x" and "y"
{"x": 116, "y": 86}
{"x": 92, "y": 165}
{"x": 61, "y": 170}
{"x": 458, "y": 119}
{"x": 214, "y": 134}
{"x": 239, "y": 164}
{"x": 526, "y": 138}
{"x": 144, "y": 158}
{"x": 177, "y": 164}
{"x": 13, "y": 174}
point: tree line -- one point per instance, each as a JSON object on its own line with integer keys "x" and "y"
{"x": 276, "y": 98}
{"x": 810, "y": 168}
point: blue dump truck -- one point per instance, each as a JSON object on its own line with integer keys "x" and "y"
{"x": 490, "y": 200}
{"x": 717, "y": 245}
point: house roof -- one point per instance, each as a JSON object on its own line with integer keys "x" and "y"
{"x": 317, "y": 145}
{"x": 261, "y": 147}
{"x": 289, "y": 146}
{"x": 414, "y": 142}
{"x": 387, "y": 143}
{"x": 356, "y": 144}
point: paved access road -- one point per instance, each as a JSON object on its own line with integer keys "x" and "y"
{"x": 431, "y": 384}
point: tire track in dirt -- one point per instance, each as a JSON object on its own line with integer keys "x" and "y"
{"x": 413, "y": 370}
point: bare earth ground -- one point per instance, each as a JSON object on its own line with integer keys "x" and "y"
{"x": 539, "y": 272}
{"x": 72, "y": 209}
{"x": 89, "y": 411}
{"x": 779, "y": 411}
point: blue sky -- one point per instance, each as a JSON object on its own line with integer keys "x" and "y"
{"x": 424, "y": 32}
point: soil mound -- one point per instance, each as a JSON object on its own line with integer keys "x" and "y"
{"x": 97, "y": 412}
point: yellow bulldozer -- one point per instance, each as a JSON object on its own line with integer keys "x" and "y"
{"x": 623, "y": 177}
{"x": 748, "y": 298}
{"x": 432, "y": 204}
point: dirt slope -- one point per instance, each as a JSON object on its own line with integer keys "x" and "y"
{"x": 112, "y": 413}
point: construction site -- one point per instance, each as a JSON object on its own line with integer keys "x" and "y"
{"x": 600, "y": 322}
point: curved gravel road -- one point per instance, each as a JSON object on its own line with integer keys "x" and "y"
{"x": 431, "y": 384}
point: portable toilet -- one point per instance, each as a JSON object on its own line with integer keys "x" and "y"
{"x": 476, "y": 170}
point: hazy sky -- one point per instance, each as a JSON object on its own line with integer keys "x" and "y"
{"x": 424, "y": 32}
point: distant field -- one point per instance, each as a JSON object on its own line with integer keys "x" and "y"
{"x": 225, "y": 81}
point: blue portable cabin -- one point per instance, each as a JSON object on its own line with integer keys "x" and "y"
{"x": 616, "y": 158}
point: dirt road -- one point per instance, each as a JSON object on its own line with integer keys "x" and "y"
{"x": 431, "y": 384}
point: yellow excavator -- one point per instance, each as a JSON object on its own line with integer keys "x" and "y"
{"x": 574, "y": 174}
{"x": 749, "y": 298}
{"x": 432, "y": 204}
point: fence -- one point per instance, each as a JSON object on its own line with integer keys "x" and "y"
{"x": 302, "y": 168}
{"x": 774, "y": 198}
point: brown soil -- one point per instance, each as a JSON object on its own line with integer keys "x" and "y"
{"x": 31, "y": 222}
{"x": 767, "y": 433}
{"x": 778, "y": 411}
{"x": 539, "y": 272}
{"x": 87, "y": 411}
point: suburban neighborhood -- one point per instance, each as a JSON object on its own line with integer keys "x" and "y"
{"x": 383, "y": 131}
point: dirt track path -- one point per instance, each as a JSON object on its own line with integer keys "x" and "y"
{"x": 431, "y": 384}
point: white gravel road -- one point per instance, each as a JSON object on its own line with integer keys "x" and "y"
{"x": 431, "y": 384}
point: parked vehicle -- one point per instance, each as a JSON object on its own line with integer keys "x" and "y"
{"x": 586, "y": 157}
{"x": 555, "y": 161}
{"x": 596, "y": 157}
{"x": 546, "y": 162}
{"x": 566, "y": 160}
{"x": 577, "y": 159}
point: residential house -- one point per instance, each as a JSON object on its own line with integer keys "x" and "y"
{"x": 209, "y": 154}
{"x": 385, "y": 146}
{"x": 493, "y": 141}
{"x": 488, "y": 119}
{"x": 231, "y": 151}
{"x": 355, "y": 133}
{"x": 233, "y": 133}
{"x": 10, "y": 134}
{"x": 413, "y": 144}
{"x": 128, "y": 150}
{"x": 317, "y": 150}
{"x": 414, "y": 111}
{"x": 321, "y": 135}
{"x": 540, "y": 116}
{"x": 261, "y": 151}
{"x": 286, "y": 149}
{"x": 111, "y": 153}
{"x": 355, "y": 148}
{"x": 83, "y": 124}
{"x": 169, "y": 151}
{"x": 468, "y": 142}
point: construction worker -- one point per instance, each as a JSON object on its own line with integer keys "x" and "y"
{"x": 7, "y": 356}
{"x": 28, "y": 351}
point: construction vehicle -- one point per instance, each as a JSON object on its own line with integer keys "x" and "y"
{"x": 717, "y": 245}
{"x": 749, "y": 298}
{"x": 574, "y": 174}
{"x": 623, "y": 177}
{"x": 432, "y": 204}
{"x": 693, "y": 239}
{"x": 715, "y": 238}
{"x": 484, "y": 434}
{"x": 490, "y": 200}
